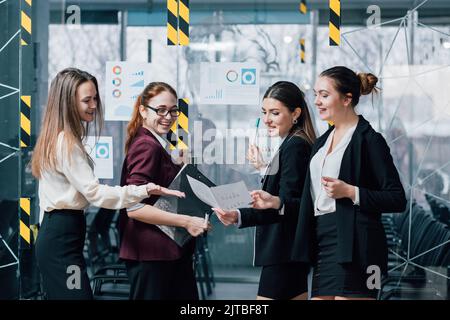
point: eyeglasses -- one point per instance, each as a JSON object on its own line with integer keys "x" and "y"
{"x": 163, "y": 111}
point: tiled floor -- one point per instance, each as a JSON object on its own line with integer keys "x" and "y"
{"x": 234, "y": 291}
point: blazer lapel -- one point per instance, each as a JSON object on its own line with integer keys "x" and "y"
{"x": 351, "y": 161}
{"x": 274, "y": 164}
{"x": 321, "y": 141}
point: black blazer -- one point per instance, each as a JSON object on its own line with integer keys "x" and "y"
{"x": 285, "y": 177}
{"x": 367, "y": 163}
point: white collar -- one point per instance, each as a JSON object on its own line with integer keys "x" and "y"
{"x": 344, "y": 141}
{"x": 159, "y": 138}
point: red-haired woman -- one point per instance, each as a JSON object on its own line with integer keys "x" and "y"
{"x": 158, "y": 268}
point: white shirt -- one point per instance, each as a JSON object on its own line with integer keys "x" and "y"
{"x": 74, "y": 186}
{"x": 263, "y": 172}
{"x": 323, "y": 165}
{"x": 160, "y": 139}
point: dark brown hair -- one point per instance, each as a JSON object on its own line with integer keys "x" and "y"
{"x": 292, "y": 97}
{"x": 347, "y": 81}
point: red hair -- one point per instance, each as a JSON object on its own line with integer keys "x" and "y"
{"x": 150, "y": 91}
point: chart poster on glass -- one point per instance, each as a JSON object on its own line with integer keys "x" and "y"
{"x": 125, "y": 81}
{"x": 101, "y": 151}
{"x": 231, "y": 83}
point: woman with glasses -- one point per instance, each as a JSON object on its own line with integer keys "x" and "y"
{"x": 158, "y": 268}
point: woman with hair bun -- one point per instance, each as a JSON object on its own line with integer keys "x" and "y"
{"x": 350, "y": 182}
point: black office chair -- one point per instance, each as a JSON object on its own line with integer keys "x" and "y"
{"x": 100, "y": 249}
{"x": 412, "y": 283}
{"x": 110, "y": 287}
{"x": 203, "y": 267}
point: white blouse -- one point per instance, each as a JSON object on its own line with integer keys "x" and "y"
{"x": 323, "y": 165}
{"x": 74, "y": 186}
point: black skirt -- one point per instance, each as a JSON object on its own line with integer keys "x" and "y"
{"x": 329, "y": 277}
{"x": 162, "y": 280}
{"x": 283, "y": 281}
{"x": 59, "y": 253}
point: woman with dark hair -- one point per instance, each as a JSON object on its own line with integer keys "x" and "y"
{"x": 351, "y": 180}
{"x": 158, "y": 268}
{"x": 67, "y": 184}
{"x": 275, "y": 207}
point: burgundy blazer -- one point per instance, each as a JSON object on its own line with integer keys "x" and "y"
{"x": 147, "y": 161}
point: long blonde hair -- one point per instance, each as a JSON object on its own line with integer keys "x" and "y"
{"x": 61, "y": 115}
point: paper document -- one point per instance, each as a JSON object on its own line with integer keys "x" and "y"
{"x": 190, "y": 205}
{"x": 227, "y": 197}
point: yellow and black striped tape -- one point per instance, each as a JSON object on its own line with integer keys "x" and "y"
{"x": 178, "y": 22}
{"x": 183, "y": 124}
{"x": 25, "y": 121}
{"x": 302, "y": 50}
{"x": 303, "y": 8}
{"x": 25, "y": 232}
{"x": 178, "y": 135}
{"x": 172, "y": 136}
{"x": 183, "y": 22}
{"x": 25, "y": 22}
{"x": 335, "y": 22}
{"x": 172, "y": 22}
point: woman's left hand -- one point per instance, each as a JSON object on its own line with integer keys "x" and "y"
{"x": 264, "y": 200}
{"x": 154, "y": 189}
{"x": 337, "y": 189}
{"x": 226, "y": 217}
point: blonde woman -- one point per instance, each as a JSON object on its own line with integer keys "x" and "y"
{"x": 67, "y": 184}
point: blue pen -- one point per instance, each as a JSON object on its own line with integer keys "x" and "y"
{"x": 256, "y": 131}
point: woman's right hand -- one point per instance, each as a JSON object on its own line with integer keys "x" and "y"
{"x": 255, "y": 157}
{"x": 196, "y": 226}
{"x": 154, "y": 189}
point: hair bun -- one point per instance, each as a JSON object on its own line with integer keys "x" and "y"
{"x": 368, "y": 82}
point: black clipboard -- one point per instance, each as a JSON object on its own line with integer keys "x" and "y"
{"x": 190, "y": 205}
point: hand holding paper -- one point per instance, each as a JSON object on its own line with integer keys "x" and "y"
{"x": 186, "y": 204}
{"x": 226, "y": 217}
{"x": 227, "y": 197}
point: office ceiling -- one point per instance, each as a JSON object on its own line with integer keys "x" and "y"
{"x": 354, "y": 11}
{"x": 313, "y": 4}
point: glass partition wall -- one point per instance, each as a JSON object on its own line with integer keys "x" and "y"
{"x": 410, "y": 57}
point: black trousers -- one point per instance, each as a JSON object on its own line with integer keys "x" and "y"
{"x": 59, "y": 253}
{"x": 162, "y": 280}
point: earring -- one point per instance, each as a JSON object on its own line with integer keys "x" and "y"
{"x": 294, "y": 121}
